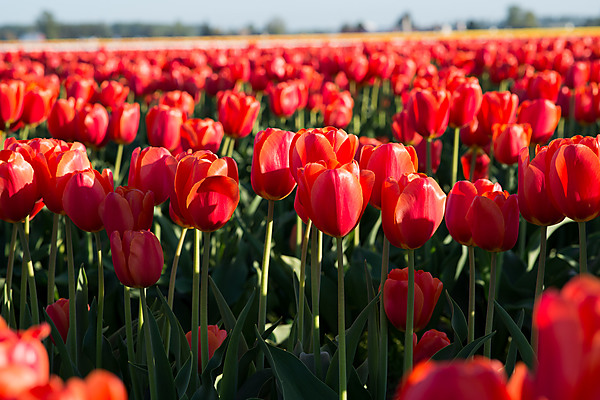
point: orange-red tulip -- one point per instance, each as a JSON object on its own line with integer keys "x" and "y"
{"x": 37, "y": 104}
{"x": 403, "y": 131}
{"x": 237, "y": 113}
{"x": 465, "y": 103}
{"x": 59, "y": 314}
{"x": 19, "y": 188}
{"x": 543, "y": 117}
{"x": 544, "y": 85}
{"x": 12, "y": 93}
{"x": 137, "y": 257}
{"x": 497, "y": 108}
{"x": 178, "y": 99}
{"x": 482, "y": 164}
{"x": 91, "y": 125}
{"x": 112, "y": 94}
{"x": 216, "y": 337}
{"x": 163, "y": 126}
{"x": 61, "y": 121}
{"x": 428, "y": 111}
{"x": 153, "y": 169}
{"x": 431, "y": 342}
{"x": 124, "y": 123}
{"x": 508, "y": 141}
{"x": 284, "y": 99}
{"x": 201, "y": 134}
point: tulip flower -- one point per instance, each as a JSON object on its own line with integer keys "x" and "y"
{"x": 127, "y": 209}
{"x": 337, "y": 114}
{"x": 97, "y": 385}
{"x": 178, "y": 99}
{"x": 403, "y": 131}
{"x": 428, "y": 112}
{"x": 201, "y": 134}
{"x": 431, "y": 342}
{"x": 124, "y": 123}
{"x": 59, "y": 314}
{"x": 237, "y": 113}
{"x": 479, "y": 378}
{"x": 153, "y": 169}
{"x": 19, "y": 188}
{"x": 112, "y": 94}
{"x": 543, "y": 117}
{"x": 497, "y": 108}
{"x": 216, "y": 337}
{"x": 475, "y": 164}
{"x": 435, "y": 154}
{"x": 37, "y": 104}
{"x": 544, "y": 85}
{"x": 12, "y": 94}
{"x": 80, "y": 88}
{"x": 586, "y": 104}
{"x": 284, "y": 99}
{"x": 83, "y": 194}
{"x": 137, "y": 257}
{"x": 508, "y": 141}
{"x": 163, "y": 125}
{"x": 578, "y": 75}
{"x": 473, "y": 135}
{"x": 91, "y": 125}
{"x": 465, "y": 103}
{"x": 61, "y": 121}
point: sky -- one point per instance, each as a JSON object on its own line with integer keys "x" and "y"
{"x": 299, "y": 15}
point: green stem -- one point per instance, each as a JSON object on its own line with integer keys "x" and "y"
{"x": 100, "y": 301}
{"x": 471, "y": 316}
{"x": 195, "y": 303}
{"x": 455, "y": 155}
{"x": 72, "y": 336}
{"x": 539, "y": 283}
{"x": 560, "y": 131}
{"x": 428, "y": 158}
{"x": 204, "y": 300}
{"x": 489, "y": 318}
{"x": 24, "y": 234}
{"x": 25, "y": 132}
{"x": 173, "y": 277}
{"x": 582, "y": 248}
{"x": 225, "y": 146}
{"x": 118, "y": 163}
{"x": 298, "y": 235}
{"x": 571, "y": 115}
{"x": 302, "y": 283}
{"x": 315, "y": 277}
{"x": 383, "y": 328}
{"x": 522, "y": 238}
{"x": 52, "y": 260}
{"x": 343, "y": 395}
{"x": 129, "y": 333}
{"x": 8, "y": 307}
{"x": 357, "y": 235}
{"x": 149, "y": 352}
{"x": 264, "y": 276}
{"x": 410, "y": 315}
{"x": 473, "y": 163}
{"x": 157, "y": 227}
{"x": 231, "y": 147}
{"x": 299, "y": 119}
{"x": 375, "y": 95}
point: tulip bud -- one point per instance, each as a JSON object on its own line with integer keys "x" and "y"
{"x": 83, "y": 194}
{"x": 163, "y": 125}
{"x": 124, "y": 123}
{"x": 431, "y": 342}
{"x": 216, "y": 337}
{"x": 59, "y": 314}
{"x": 137, "y": 257}
{"x": 201, "y": 134}
{"x": 127, "y": 209}
{"x": 153, "y": 169}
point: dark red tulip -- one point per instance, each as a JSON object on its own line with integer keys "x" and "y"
{"x": 578, "y": 75}
{"x": 80, "y": 88}
{"x": 61, "y": 121}
{"x": 153, "y": 169}
{"x": 435, "y": 147}
{"x": 284, "y": 99}
{"x": 482, "y": 164}
{"x": 431, "y": 342}
{"x": 83, "y": 194}
{"x": 403, "y": 130}
{"x": 137, "y": 257}
{"x": 59, "y": 314}
{"x": 92, "y": 125}
{"x": 127, "y": 209}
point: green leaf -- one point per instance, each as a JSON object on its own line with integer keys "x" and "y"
{"x": 295, "y": 380}
{"x": 178, "y": 340}
{"x": 164, "y": 374}
{"x": 458, "y": 320}
{"x": 472, "y": 347}
{"x": 182, "y": 380}
{"x": 511, "y": 358}
{"x": 372, "y": 338}
{"x": 230, "y": 370}
{"x": 66, "y": 362}
{"x": 523, "y": 345}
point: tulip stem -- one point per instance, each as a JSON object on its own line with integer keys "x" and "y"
{"x": 7, "y": 308}
{"x": 52, "y": 260}
{"x": 539, "y": 283}
{"x": 129, "y": 334}
{"x": 471, "y": 316}
{"x": 264, "y": 276}
{"x": 225, "y": 146}
{"x": 195, "y": 304}
{"x": 230, "y": 148}
{"x": 100, "y": 301}
{"x": 27, "y": 262}
{"x": 357, "y": 235}
{"x": 473, "y": 165}
{"x": 204, "y": 300}
{"x": 302, "y": 283}
{"x": 428, "y": 158}
{"x": 118, "y": 163}
{"x": 72, "y": 335}
{"x": 341, "y": 321}
{"x": 582, "y": 248}
{"x": 315, "y": 277}
{"x": 410, "y": 314}
{"x": 173, "y": 277}
{"x": 455, "y": 155}
{"x": 149, "y": 352}
{"x": 298, "y": 236}
{"x": 383, "y": 328}
{"x": 489, "y": 317}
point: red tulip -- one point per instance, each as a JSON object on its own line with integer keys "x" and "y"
{"x": 390, "y": 160}
{"x": 237, "y": 113}
{"x": 337, "y": 114}
{"x": 356, "y": 67}
{"x": 216, "y": 337}
{"x": 19, "y": 188}
{"x": 206, "y": 190}
{"x": 543, "y": 117}
{"x": 344, "y": 187}
{"x": 427, "y": 292}
{"x": 137, "y": 257}
{"x": 534, "y": 203}
{"x": 163, "y": 126}
{"x": 124, "y": 123}
{"x": 80, "y": 88}
{"x": 586, "y": 104}
{"x": 84, "y": 192}
{"x": 412, "y": 208}
{"x": 476, "y": 379}
{"x": 12, "y": 94}
{"x": 113, "y": 94}
{"x": 544, "y": 85}
{"x": 37, "y": 104}
{"x": 473, "y": 135}
{"x": 465, "y": 103}
{"x": 92, "y": 125}
{"x": 403, "y": 131}
{"x": 482, "y": 164}
{"x": 127, "y": 209}
{"x": 153, "y": 169}
{"x": 201, "y": 134}
{"x": 178, "y": 99}
{"x": 497, "y": 108}
{"x": 270, "y": 176}
{"x": 431, "y": 342}
{"x": 435, "y": 147}
{"x": 59, "y": 314}
{"x": 428, "y": 111}
{"x": 61, "y": 121}
{"x": 578, "y": 75}
{"x": 284, "y": 99}
{"x": 508, "y": 141}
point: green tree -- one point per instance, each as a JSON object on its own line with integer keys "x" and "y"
{"x": 48, "y": 25}
{"x": 520, "y": 18}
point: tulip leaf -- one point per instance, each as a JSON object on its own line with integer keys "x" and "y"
{"x": 458, "y": 320}
{"x": 470, "y": 349}
{"x": 533, "y": 247}
{"x": 66, "y": 363}
{"x": 448, "y": 352}
{"x": 230, "y": 370}
{"x": 178, "y": 340}
{"x": 164, "y": 375}
{"x": 182, "y": 380}
{"x": 523, "y": 345}
{"x": 373, "y": 337}
{"x": 250, "y": 389}
{"x": 295, "y": 380}
{"x": 511, "y": 358}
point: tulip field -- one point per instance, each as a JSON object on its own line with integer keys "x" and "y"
{"x": 352, "y": 217}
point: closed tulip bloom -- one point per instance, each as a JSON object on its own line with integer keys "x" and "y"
{"x": 92, "y": 125}
{"x": 497, "y": 108}
{"x": 578, "y": 74}
{"x": 153, "y": 169}
{"x": 586, "y": 104}
{"x": 270, "y": 176}
{"x": 344, "y": 188}
{"x": 427, "y": 292}
{"x": 113, "y": 94}
{"x": 387, "y": 160}
{"x": 403, "y": 131}
{"x": 356, "y": 66}
{"x": 473, "y": 135}
{"x": 59, "y": 314}
{"x": 482, "y": 164}
{"x": 84, "y": 192}
{"x": 178, "y": 99}
{"x": 61, "y": 121}
{"x": 494, "y": 220}
{"x": 337, "y": 114}
{"x": 201, "y": 134}
{"x": 459, "y": 201}
{"x": 127, "y": 209}
{"x": 313, "y": 145}
{"x": 284, "y": 99}
{"x": 428, "y": 111}
{"x": 206, "y": 190}
{"x": 163, "y": 125}
{"x": 543, "y": 117}
{"x": 137, "y": 257}
{"x": 465, "y": 103}
{"x": 508, "y": 141}
{"x": 80, "y": 88}
{"x": 19, "y": 188}
{"x": 544, "y": 85}
{"x": 37, "y": 104}
{"x": 216, "y": 337}
{"x": 435, "y": 147}
{"x": 534, "y": 202}
{"x": 431, "y": 342}
{"x": 124, "y": 123}
{"x": 572, "y": 176}
{"x": 474, "y": 379}
{"x": 12, "y": 93}
{"x": 237, "y": 113}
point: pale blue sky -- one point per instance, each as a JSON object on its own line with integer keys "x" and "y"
{"x": 298, "y": 14}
